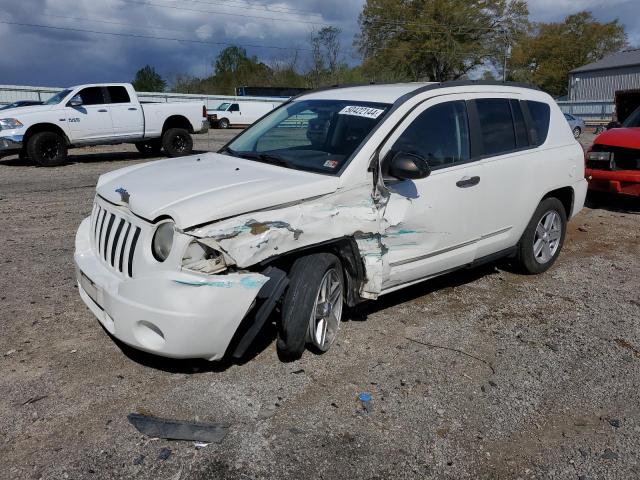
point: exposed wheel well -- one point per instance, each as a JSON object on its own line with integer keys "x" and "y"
{"x": 347, "y": 251}
{"x": 177, "y": 121}
{"x": 565, "y": 195}
{"x": 44, "y": 127}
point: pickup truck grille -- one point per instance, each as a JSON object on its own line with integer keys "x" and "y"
{"x": 623, "y": 158}
{"x": 114, "y": 239}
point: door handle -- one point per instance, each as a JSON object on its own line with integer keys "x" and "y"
{"x": 466, "y": 182}
{"x": 103, "y": 110}
{"x": 132, "y": 108}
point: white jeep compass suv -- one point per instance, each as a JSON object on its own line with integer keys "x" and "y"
{"x": 337, "y": 196}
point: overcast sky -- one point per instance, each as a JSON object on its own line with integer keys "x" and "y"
{"x": 56, "y": 57}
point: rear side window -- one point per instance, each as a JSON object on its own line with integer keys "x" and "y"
{"x": 540, "y": 114}
{"x": 91, "y": 96}
{"x": 440, "y": 135}
{"x": 118, "y": 95}
{"x": 496, "y": 125}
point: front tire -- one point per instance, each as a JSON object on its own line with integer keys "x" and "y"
{"x": 577, "y": 132}
{"x": 223, "y": 123}
{"x": 177, "y": 142}
{"x": 543, "y": 238}
{"x": 312, "y": 307}
{"x": 47, "y": 149}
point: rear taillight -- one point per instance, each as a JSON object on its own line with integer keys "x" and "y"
{"x": 204, "y": 111}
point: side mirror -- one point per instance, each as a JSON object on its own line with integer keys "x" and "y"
{"x": 407, "y": 166}
{"x": 76, "y": 101}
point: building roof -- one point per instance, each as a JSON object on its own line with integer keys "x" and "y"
{"x": 626, "y": 58}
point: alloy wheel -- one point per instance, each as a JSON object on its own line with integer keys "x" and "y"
{"x": 546, "y": 240}
{"x": 327, "y": 311}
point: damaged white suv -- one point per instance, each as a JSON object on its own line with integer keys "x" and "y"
{"x": 335, "y": 197}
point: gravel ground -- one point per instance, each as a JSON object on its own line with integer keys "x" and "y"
{"x": 478, "y": 374}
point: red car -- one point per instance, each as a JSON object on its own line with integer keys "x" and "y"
{"x": 613, "y": 161}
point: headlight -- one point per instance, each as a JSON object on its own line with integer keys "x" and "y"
{"x": 9, "y": 123}
{"x": 202, "y": 258}
{"x": 163, "y": 241}
{"x": 600, "y": 156}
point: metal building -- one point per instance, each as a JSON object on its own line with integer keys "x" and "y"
{"x": 593, "y": 87}
{"x": 599, "y": 81}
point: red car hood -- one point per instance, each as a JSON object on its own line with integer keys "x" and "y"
{"x": 620, "y": 137}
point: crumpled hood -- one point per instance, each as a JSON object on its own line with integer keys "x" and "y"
{"x": 620, "y": 137}
{"x": 198, "y": 189}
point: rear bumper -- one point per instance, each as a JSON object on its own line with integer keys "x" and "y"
{"x": 205, "y": 126}
{"x": 624, "y": 182}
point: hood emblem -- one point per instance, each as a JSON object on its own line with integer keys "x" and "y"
{"x": 124, "y": 195}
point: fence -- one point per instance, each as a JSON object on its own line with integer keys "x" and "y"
{"x": 590, "y": 112}
{"x": 13, "y": 93}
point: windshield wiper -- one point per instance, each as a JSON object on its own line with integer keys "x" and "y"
{"x": 230, "y": 151}
{"x": 268, "y": 158}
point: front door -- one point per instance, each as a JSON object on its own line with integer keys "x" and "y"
{"x": 92, "y": 119}
{"x": 433, "y": 223}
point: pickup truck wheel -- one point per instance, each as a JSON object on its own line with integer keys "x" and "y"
{"x": 177, "y": 142}
{"x": 47, "y": 149}
{"x": 223, "y": 123}
{"x": 151, "y": 148}
{"x": 312, "y": 307}
{"x": 577, "y": 132}
{"x": 542, "y": 241}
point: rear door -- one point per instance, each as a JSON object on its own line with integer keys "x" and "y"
{"x": 92, "y": 119}
{"x": 499, "y": 127}
{"x": 433, "y": 222}
{"x": 127, "y": 116}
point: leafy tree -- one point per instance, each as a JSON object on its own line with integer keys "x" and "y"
{"x": 148, "y": 80}
{"x": 435, "y": 40}
{"x": 549, "y": 51}
{"x": 235, "y": 68}
{"x": 325, "y": 56}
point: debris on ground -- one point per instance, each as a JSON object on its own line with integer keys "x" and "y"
{"x": 34, "y": 399}
{"x": 164, "y": 454}
{"x": 178, "y": 430}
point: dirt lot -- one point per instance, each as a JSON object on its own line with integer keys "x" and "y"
{"x": 479, "y": 374}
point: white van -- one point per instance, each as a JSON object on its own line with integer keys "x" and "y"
{"x": 239, "y": 114}
{"x": 338, "y": 196}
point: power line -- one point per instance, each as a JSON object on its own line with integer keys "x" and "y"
{"x": 151, "y": 37}
{"x": 242, "y": 15}
{"x": 251, "y": 5}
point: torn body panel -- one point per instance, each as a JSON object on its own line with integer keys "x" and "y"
{"x": 255, "y": 237}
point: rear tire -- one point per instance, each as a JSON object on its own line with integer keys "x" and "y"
{"x": 543, "y": 238}
{"x": 150, "y": 148}
{"x": 577, "y": 132}
{"x": 223, "y": 123}
{"x": 177, "y": 142}
{"x": 47, "y": 149}
{"x": 312, "y": 307}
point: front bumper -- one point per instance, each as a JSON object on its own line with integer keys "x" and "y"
{"x": 172, "y": 314}
{"x": 10, "y": 144}
{"x": 624, "y": 182}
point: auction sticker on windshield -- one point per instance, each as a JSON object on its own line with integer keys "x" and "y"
{"x": 358, "y": 111}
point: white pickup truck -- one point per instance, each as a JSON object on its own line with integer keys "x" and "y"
{"x": 99, "y": 115}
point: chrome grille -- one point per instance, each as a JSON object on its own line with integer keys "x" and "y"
{"x": 114, "y": 239}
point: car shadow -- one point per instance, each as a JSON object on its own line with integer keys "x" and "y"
{"x": 269, "y": 332}
{"x": 613, "y": 202}
{"x": 87, "y": 158}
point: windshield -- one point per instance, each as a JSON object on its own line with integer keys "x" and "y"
{"x": 633, "y": 120}
{"x": 57, "y": 98}
{"x": 223, "y": 106}
{"x": 312, "y": 135}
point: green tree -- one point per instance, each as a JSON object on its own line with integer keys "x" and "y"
{"x": 235, "y": 68}
{"x": 436, "y": 40}
{"x": 148, "y": 80}
{"x": 549, "y": 51}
